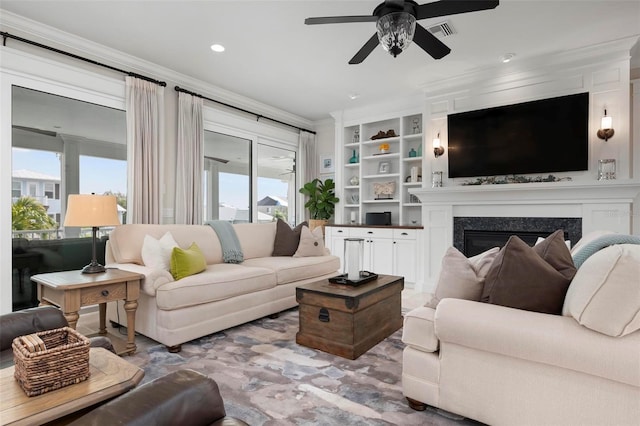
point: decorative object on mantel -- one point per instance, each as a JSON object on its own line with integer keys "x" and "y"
{"x": 606, "y": 169}
{"x": 383, "y": 148}
{"x": 436, "y": 179}
{"x": 384, "y": 167}
{"x": 606, "y": 127}
{"x": 412, "y": 153}
{"x": 356, "y": 136}
{"x": 381, "y": 135}
{"x": 354, "y": 158}
{"x": 499, "y": 180}
{"x": 354, "y": 181}
{"x": 384, "y": 191}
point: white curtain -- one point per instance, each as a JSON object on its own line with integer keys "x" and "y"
{"x": 309, "y": 156}
{"x": 308, "y": 162}
{"x": 190, "y": 160}
{"x": 145, "y": 142}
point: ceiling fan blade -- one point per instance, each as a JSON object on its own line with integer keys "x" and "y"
{"x": 365, "y": 50}
{"x": 430, "y": 43}
{"x": 340, "y": 19}
{"x": 452, "y": 7}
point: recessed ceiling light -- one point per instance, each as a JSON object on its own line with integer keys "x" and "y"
{"x": 507, "y": 57}
{"x": 217, "y": 48}
{"x": 354, "y": 96}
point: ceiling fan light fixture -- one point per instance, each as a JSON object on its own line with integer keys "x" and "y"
{"x": 395, "y": 31}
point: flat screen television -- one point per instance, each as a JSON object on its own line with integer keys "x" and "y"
{"x": 548, "y": 135}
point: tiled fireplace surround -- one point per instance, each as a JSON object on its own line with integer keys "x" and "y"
{"x": 576, "y": 207}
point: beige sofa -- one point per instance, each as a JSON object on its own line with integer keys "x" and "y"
{"x": 505, "y": 366}
{"x": 224, "y": 295}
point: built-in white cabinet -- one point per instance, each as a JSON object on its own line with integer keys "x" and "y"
{"x": 385, "y": 163}
{"x": 389, "y": 251}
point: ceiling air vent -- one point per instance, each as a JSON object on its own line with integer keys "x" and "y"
{"x": 443, "y": 29}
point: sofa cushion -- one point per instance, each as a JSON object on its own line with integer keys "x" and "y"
{"x": 462, "y": 278}
{"x": 217, "y": 282}
{"x": 520, "y": 278}
{"x": 186, "y": 262}
{"x": 156, "y": 254}
{"x": 126, "y": 241}
{"x": 605, "y": 293}
{"x": 419, "y": 330}
{"x": 311, "y": 242}
{"x": 256, "y": 239}
{"x": 286, "y": 239}
{"x": 290, "y": 269}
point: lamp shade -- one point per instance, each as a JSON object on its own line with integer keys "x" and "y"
{"x": 606, "y": 122}
{"x": 91, "y": 210}
{"x": 395, "y": 31}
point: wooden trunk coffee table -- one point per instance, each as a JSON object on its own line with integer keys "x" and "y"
{"x": 110, "y": 377}
{"x": 348, "y": 321}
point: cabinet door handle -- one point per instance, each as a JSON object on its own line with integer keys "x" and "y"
{"x": 339, "y": 232}
{"x": 394, "y": 242}
{"x": 104, "y": 293}
{"x": 369, "y": 232}
{"x": 404, "y": 233}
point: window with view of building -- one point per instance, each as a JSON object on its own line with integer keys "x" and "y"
{"x": 50, "y": 134}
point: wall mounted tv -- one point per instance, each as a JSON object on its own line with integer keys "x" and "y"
{"x": 548, "y": 135}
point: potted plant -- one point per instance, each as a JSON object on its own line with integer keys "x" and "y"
{"x": 321, "y": 201}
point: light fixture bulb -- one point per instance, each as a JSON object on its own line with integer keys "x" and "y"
{"x": 438, "y": 150}
{"x": 218, "y": 48}
{"x": 395, "y": 31}
{"x": 606, "y": 131}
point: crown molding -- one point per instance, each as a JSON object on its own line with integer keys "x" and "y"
{"x": 45, "y": 34}
{"x": 603, "y": 53}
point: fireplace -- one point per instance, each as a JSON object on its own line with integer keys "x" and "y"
{"x": 473, "y": 235}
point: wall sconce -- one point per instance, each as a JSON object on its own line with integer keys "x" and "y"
{"x": 606, "y": 127}
{"x": 438, "y": 150}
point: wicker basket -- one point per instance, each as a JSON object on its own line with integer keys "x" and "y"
{"x": 49, "y": 360}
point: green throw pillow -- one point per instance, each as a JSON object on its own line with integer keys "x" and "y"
{"x": 187, "y": 262}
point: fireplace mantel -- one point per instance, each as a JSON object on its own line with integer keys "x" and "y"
{"x": 602, "y": 205}
{"x": 528, "y": 193}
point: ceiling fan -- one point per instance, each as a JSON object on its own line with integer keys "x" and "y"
{"x": 396, "y": 24}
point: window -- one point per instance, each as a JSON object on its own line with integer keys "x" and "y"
{"x": 49, "y": 190}
{"x": 16, "y": 189}
{"x": 276, "y": 184}
{"x": 227, "y": 178}
{"x": 91, "y": 151}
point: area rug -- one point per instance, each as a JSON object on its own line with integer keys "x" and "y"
{"x": 265, "y": 378}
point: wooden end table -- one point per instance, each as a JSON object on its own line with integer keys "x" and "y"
{"x": 110, "y": 377}
{"x": 70, "y": 290}
{"x": 348, "y": 321}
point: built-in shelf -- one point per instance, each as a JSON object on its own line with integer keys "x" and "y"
{"x": 370, "y": 161}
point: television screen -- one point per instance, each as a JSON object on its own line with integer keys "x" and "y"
{"x": 549, "y": 135}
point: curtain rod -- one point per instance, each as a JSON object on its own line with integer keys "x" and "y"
{"x": 6, "y": 35}
{"x": 258, "y": 116}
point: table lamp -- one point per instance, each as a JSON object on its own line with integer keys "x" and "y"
{"x": 86, "y": 210}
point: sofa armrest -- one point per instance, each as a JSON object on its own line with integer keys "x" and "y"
{"x": 153, "y": 278}
{"x": 418, "y": 329}
{"x": 548, "y": 339}
{"x": 183, "y": 397}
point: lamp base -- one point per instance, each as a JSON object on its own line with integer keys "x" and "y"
{"x": 93, "y": 268}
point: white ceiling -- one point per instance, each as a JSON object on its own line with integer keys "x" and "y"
{"x": 274, "y": 58}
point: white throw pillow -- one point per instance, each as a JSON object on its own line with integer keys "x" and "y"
{"x": 462, "y": 278}
{"x": 156, "y": 254}
{"x": 604, "y": 295}
{"x": 311, "y": 243}
{"x": 567, "y": 242}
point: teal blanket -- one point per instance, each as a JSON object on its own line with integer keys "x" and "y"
{"x": 231, "y": 250}
{"x": 599, "y": 243}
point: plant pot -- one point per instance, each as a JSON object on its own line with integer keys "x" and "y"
{"x": 314, "y": 223}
